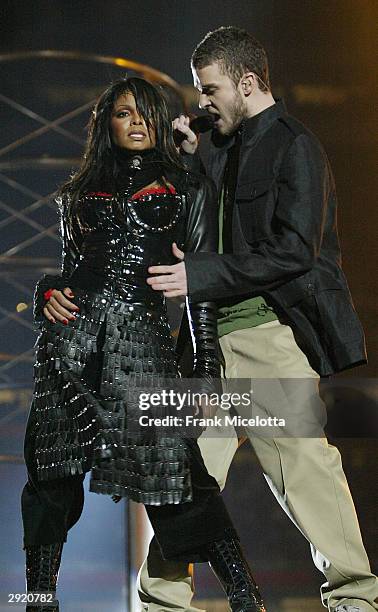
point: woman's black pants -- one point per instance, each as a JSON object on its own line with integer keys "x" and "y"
{"x": 51, "y": 508}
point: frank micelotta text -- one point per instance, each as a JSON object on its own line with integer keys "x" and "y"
{"x": 215, "y": 421}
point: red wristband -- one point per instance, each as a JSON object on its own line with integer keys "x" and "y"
{"x": 47, "y": 294}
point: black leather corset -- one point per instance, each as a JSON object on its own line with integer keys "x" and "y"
{"x": 122, "y": 237}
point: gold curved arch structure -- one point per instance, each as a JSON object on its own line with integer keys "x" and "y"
{"x": 146, "y": 71}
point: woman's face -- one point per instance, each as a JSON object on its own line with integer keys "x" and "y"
{"x": 129, "y": 129}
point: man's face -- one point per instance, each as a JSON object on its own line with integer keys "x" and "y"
{"x": 220, "y": 97}
{"x": 129, "y": 129}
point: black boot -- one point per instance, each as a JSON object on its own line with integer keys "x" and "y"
{"x": 42, "y": 568}
{"x": 231, "y": 568}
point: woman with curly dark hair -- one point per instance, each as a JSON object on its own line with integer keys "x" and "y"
{"x": 105, "y": 339}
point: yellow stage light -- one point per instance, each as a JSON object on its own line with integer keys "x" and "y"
{"x": 21, "y": 306}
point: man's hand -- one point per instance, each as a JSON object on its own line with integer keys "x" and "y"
{"x": 59, "y": 308}
{"x": 173, "y": 282}
{"x": 190, "y": 143}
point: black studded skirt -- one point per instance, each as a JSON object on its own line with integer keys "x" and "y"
{"x": 84, "y": 413}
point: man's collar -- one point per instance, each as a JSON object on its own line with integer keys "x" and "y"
{"x": 252, "y": 126}
{"x": 262, "y": 121}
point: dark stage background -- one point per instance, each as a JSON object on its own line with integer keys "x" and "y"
{"x": 323, "y": 59}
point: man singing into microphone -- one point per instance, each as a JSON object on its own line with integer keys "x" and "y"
{"x": 286, "y": 310}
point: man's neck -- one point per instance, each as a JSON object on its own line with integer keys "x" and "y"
{"x": 259, "y": 103}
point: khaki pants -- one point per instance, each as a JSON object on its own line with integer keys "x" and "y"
{"x": 304, "y": 473}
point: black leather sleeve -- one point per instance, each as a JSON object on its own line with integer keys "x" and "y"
{"x": 72, "y": 239}
{"x": 304, "y": 184}
{"x": 71, "y": 242}
{"x": 202, "y": 237}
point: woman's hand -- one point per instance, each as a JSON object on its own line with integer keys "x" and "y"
{"x": 59, "y": 307}
{"x": 190, "y": 141}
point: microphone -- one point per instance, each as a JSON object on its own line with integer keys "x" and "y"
{"x": 202, "y": 124}
{"x": 199, "y": 125}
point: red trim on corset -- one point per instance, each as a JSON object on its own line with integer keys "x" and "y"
{"x": 148, "y": 191}
{"x": 153, "y": 190}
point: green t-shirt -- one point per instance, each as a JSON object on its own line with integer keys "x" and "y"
{"x": 235, "y": 315}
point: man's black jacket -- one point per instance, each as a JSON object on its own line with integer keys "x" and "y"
{"x": 285, "y": 242}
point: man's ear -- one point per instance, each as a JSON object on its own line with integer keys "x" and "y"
{"x": 248, "y": 83}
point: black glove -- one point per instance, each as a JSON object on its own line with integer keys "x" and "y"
{"x": 208, "y": 359}
{"x": 71, "y": 241}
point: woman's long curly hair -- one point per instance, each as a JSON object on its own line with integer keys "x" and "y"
{"x": 99, "y": 166}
